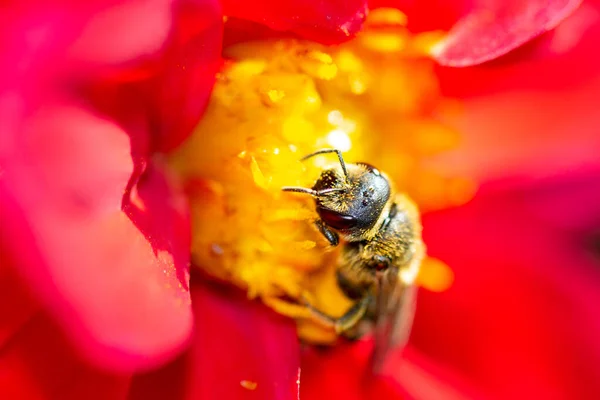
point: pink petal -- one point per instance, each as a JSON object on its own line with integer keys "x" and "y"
{"x": 80, "y": 39}
{"x": 36, "y": 360}
{"x": 116, "y": 273}
{"x": 161, "y": 56}
{"x": 326, "y": 21}
{"x": 522, "y": 317}
{"x": 167, "y": 50}
{"x": 38, "y": 363}
{"x": 238, "y": 343}
{"x": 118, "y": 284}
{"x": 123, "y": 31}
{"x": 495, "y": 28}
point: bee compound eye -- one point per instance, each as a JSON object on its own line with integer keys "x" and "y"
{"x": 337, "y": 220}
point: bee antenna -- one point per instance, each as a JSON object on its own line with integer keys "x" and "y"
{"x": 330, "y": 190}
{"x": 312, "y": 192}
{"x": 327, "y": 151}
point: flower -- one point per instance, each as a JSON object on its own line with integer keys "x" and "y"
{"x": 528, "y": 293}
{"x": 139, "y": 98}
{"x": 87, "y": 207}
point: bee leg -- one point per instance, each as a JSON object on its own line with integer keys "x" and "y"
{"x": 330, "y": 235}
{"x": 353, "y": 315}
{"x": 346, "y": 321}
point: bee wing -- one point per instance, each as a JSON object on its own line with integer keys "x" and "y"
{"x": 396, "y": 303}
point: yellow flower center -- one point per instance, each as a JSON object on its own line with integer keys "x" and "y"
{"x": 374, "y": 98}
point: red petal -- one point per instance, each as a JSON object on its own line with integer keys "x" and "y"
{"x": 241, "y": 349}
{"x": 522, "y": 317}
{"x": 427, "y": 15}
{"x": 526, "y": 134}
{"x": 326, "y": 21}
{"x": 188, "y": 72}
{"x": 240, "y": 340}
{"x": 172, "y": 381}
{"x": 492, "y": 30}
{"x": 546, "y": 64}
{"x": 342, "y": 372}
{"x": 121, "y": 292}
{"x": 241, "y": 30}
{"x": 532, "y": 116}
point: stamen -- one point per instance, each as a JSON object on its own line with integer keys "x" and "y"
{"x": 372, "y": 98}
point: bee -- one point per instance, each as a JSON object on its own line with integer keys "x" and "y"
{"x": 379, "y": 232}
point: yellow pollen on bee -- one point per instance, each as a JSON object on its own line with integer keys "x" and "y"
{"x": 277, "y": 101}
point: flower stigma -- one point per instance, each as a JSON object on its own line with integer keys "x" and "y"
{"x": 375, "y": 98}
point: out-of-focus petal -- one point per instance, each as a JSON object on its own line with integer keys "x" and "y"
{"x": 118, "y": 283}
{"x": 241, "y": 349}
{"x": 542, "y": 64}
{"x": 170, "y": 381}
{"x": 36, "y": 360}
{"x": 97, "y": 229}
{"x": 342, "y": 372}
{"x": 424, "y": 378}
{"x": 531, "y": 117}
{"x": 494, "y": 28}
{"x": 162, "y": 55}
{"x": 192, "y": 60}
{"x": 521, "y": 318}
{"x": 427, "y": 15}
{"x": 526, "y": 133}
{"x": 122, "y": 32}
{"x": 325, "y": 21}
{"x": 168, "y": 51}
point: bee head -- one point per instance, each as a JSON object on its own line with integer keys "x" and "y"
{"x": 357, "y": 201}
